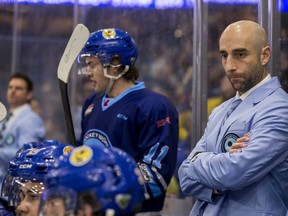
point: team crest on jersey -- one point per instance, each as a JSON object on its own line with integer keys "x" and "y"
{"x": 109, "y": 33}
{"x": 94, "y": 137}
{"x": 81, "y": 156}
{"x": 227, "y": 141}
{"x": 89, "y": 110}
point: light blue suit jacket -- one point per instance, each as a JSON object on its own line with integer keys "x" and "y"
{"x": 253, "y": 182}
{"x": 26, "y": 127}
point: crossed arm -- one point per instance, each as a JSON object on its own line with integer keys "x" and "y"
{"x": 240, "y": 143}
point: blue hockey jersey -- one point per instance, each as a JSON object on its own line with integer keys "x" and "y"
{"x": 145, "y": 125}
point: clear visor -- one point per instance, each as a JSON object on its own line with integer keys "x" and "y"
{"x": 82, "y": 65}
{"x": 6, "y": 185}
{"x": 61, "y": 201}
{"x": 24, "y": 190}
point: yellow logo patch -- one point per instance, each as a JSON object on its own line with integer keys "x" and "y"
{"x": 81, "y": 156}
{"x": 109, "y": 33}
{"x": 67, "y": 150}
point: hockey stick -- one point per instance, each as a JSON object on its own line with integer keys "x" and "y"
{"x": 3, "y": 111}
{"x": 75, "y": 44}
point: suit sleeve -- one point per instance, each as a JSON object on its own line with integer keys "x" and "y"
{"x": 189, "y": 185}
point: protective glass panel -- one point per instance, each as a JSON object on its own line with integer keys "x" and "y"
{"x": 33, "y": 38}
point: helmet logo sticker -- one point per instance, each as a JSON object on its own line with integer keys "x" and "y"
{"x": 34, "y": 151}
{"x": 109, "y": 33}
{"x": 123, "y": 200}
{"x": 81, "y": 156}
{"x": 67, "y": 150}
{"x": 25, "y": 166}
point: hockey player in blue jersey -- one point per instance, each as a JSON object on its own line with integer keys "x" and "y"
{"x": 23, "y": 185}
{"x": 109, "y": 183}
{"x": 124, "y": 114}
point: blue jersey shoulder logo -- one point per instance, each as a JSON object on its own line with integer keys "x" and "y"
{"x": 94, "y": 137}
{"x": 227, "y": 141}
{"x": 9, "y": 139}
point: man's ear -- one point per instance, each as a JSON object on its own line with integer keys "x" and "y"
{"x": 265, "y": 55}
{"x": 29, "y": 96}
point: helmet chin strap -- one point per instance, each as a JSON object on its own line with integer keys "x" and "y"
{"x": 113, "y": 78}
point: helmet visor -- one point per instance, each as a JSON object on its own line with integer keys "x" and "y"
{"x": 85, "y": 65}
{"x": 6, "y": 185}
{"x": 58, "y": 201}
{"x": 22, "y": 190}
{"x": 62, "y": 201}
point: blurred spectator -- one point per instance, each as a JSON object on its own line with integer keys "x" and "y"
{"x": 283, "y": 76}
{"x": 22, "y": 124}
{"x": 35, "y": 105}
{"x": 86, "y": 88}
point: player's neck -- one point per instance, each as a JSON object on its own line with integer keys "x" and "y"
{"x": 120, "y": 86}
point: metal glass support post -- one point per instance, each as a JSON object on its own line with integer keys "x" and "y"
{"x": 199, "y": 79}
{"x": 14, "y": 39}
{"x": 269, "y": 18}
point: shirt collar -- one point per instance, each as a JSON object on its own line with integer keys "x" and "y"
{"x": 17, "y": 110}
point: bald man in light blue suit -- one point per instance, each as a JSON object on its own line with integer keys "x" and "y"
{"x": 240, "y": 165}
{"x": 23, "y": 126}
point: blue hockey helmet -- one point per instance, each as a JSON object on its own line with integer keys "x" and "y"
{"x": 94, "y": 178}
{"x": 108, "y": 43}
{"x": 30, "y": 164}
{"x": 18, "y": 157}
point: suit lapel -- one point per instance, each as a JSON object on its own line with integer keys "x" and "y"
{"x": 254, "y": 98}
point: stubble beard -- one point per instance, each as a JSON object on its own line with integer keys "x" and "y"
{"x": 255, "y": 75}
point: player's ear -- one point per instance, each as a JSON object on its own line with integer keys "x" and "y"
{"x": 116, "y": 61}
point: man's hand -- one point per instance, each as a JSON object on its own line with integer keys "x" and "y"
{"x": 240, "y": 143}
